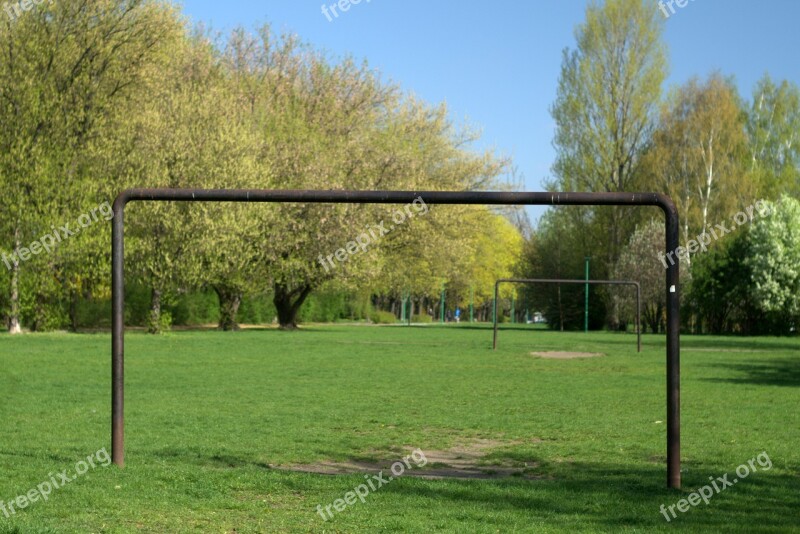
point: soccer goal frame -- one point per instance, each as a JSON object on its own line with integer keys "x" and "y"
{"x": 671, "y": 229}
{"x": 575, "y": 282}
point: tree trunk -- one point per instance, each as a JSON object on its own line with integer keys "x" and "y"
{"x": 154, "y": 321}
{"x": 229, "y": 301}
{"x": 14, "y": 326}
{"x": 287, "y": 303}
{"x": 652, "y": 317}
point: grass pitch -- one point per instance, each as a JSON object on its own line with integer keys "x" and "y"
{"x": 217, "y": 422}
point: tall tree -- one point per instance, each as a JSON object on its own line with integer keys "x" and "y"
{"x": 62, "y": 67}
{"x": 608, "y": 90}
{"x": 331, "y": 125}
{"x": 556, "y": 250}
{"x": 773, "y": 127}
{"x": 698, "y": 153}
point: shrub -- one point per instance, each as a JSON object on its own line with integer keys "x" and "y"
{"x": 383, "y": 317}
{"x": 164, "y": 323}
{"x": 423, "y": 318}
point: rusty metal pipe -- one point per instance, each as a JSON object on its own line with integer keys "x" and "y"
{"x": 398, "y": 197}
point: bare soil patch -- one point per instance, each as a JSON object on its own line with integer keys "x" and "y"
{"x": 461, "y": 461}
{"x": 555, "y": 355}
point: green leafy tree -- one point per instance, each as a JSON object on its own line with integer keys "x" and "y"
{"x": 555, "y": 251}
{"x": 774, "y": 259}
{"x": 175, "y": 135}
{"x": 718, "y": 296}
{"x": 773, "y": 127}
{"x": 337, "y": 126}
{"x": 608, "y": 93}
{"x": 63, "y": 66}
{"x": 698, "y": 154}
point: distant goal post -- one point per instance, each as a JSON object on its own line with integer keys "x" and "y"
{"x": 584, "y": 282}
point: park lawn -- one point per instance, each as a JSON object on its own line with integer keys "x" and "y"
{"x": 211, "y": 416}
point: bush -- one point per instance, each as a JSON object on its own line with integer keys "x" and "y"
{"x": 358, "y": 306}
{"x": 322, "y": 307}
{"x": 93, "y": 313}
{"x": 164, "y": 323}
{"x": 383, "y": 317}
{"x": 195, "y": 308}
{"x": 423, "y": 318}
{"x": 256, "y": 309}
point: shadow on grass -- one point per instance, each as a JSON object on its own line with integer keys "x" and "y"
{"x": 739, "y": 343}
{"x": 776, "y": 372}
{"x": 200, "y": 457}
{"x": 617, "y": 497}
{"x": 607, "y": 496}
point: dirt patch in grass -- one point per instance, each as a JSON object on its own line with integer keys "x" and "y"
{"x": 465, "y": 460}
{"x": 566, "y": 355}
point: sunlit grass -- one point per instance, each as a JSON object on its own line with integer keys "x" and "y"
{"x": 210, "y": 416}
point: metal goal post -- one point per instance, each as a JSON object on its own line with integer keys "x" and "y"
{"x": 396, "y": 197}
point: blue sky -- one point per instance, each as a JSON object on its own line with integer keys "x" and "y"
{"x": 496, "y": 64}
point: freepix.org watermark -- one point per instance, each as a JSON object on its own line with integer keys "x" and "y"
{"x": 663, "y": 5}
{"x": 708, "y": 236}
{"x": 718, "y": 485}
{"x": 14, "y": 10}
{"x": 342, "y": 5}
{"x": 48, "y": 242}
{"x": 374, "y": 482}
{"x": 374, "y": 233}
{"x": 56, "y": 481}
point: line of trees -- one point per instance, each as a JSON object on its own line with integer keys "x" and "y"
{"x": 708, "y": 148}
{"x": 100, "y": 95}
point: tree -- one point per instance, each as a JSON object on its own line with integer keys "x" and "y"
{"x": 183, "y": 133}
{"x": 494, "y": 253}
{"x": 773, "y": 127}
{"x": 775, "y": 260}
{"x": 557, "y": 250}
{"x": 62, "y": 67}
{"x": 718, "y": 295}
{"x": 698, "y": 151}
{"x": 337, "y": 126}
{"x": 120, "y": 89}
{"x": 639, "y": 262}
{"x": 608, "y": 91}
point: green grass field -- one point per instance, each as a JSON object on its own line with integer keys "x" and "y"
{"x": 214, "y": 420}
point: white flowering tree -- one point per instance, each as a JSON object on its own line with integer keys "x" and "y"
{"x": 774, "y": 259}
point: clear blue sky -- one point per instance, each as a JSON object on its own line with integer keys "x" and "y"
{"x": 496, "y": 64}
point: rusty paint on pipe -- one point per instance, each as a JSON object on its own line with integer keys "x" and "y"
{"x": 400, "y": 197}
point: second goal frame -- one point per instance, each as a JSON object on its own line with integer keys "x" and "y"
{"x": 585, "y": 282}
